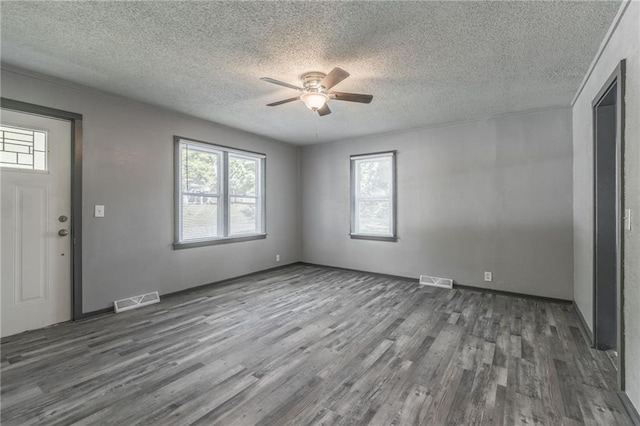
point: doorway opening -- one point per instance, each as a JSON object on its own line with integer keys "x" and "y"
{"x": 608, "y": 126}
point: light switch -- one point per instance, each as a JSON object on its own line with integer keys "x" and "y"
{"x": 627, "y": 219}
{"x": 99, "y": 211}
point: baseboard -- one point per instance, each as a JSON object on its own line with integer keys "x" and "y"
{"x": 91, "y": 314}
{"x": 513, "y": 294}
{"x": 222, "y": 282}
{"x": 459, "y": 286}
{"x": 631, "y": 409}
{"x": 377, "y": 274}
{"x": 109, "y": 310}
{"x": 584, "y": 328}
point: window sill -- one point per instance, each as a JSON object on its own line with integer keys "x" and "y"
{"x": 217, "y": 241}
{"x": 373, "y": 237}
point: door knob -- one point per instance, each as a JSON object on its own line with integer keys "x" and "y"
{"x": 63, "y": 232}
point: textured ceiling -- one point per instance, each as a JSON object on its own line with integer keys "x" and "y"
{"x": 426, "y": 63}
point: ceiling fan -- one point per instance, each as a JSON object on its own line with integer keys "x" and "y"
{"x": 315, "y": 91}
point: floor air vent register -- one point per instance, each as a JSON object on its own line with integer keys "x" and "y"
{"x": 136, "y": 302}
{"x": 436, "y": 281}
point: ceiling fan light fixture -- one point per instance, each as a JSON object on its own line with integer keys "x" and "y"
{"x": 314, "y": 100}
{"x": 316, "y": 91}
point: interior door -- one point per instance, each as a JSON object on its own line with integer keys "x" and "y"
{"x": 35, "y": 237}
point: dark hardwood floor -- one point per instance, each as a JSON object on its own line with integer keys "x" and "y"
{"x": 309, "y": 345}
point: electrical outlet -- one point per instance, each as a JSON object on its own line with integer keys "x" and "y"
{"x": 99, "y": 211}
{"x": 488, "y": 276}
{"x": 277, "y": 258}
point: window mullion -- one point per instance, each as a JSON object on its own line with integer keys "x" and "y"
{"x": 356, "y": 201}
{"x": 178, "y": 167}
{"x": 259, "y": 194}
{"x": 393, "y": 200}
{"x": 225, "y": 194}
{"x": 387, "y": 198}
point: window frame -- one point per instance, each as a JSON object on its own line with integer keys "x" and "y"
{"x": 223, "y": 195}
{"x": 393, "y": 198}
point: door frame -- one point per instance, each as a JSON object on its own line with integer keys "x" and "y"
{"x": 617, "y": 77}
{"x": 76, "y": 190}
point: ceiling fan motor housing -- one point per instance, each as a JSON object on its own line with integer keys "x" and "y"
{"x": 311, "y": 81}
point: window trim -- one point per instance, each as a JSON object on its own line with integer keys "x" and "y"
{"x": 224, "y": 196}
{"x": 394, "y": 198}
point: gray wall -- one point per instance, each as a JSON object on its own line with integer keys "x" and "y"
{"x": 623, "y": 44}
{"x": 128, "y": 167}
{"x": 493, "y": 195}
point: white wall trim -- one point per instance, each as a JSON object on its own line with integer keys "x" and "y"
{"x": 623, "y": 8}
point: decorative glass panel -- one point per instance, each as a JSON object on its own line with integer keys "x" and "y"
{"x": 23, "y": 149}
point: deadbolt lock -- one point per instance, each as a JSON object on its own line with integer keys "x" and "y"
{"x": 63, "y": 219}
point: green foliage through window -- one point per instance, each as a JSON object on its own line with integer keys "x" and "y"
{"x": 242, "y": 175}
{"x": 199, "y": 170}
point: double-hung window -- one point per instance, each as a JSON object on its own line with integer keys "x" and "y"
{"x": 373, "y": 196}
{"x": 219, "y": 194}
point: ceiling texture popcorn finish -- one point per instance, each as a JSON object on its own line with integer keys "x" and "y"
{"x": 425, "y": 63}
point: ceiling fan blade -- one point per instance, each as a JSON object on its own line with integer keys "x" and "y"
{"x": 352, "y": 97}
{"x": 334, "y": 77}
{"x": 281, "y": 83}
{"x": 284, "y": 101}
{"x": 324, "y": 110}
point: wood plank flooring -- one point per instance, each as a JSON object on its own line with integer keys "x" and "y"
{"x": 308, "y": 345}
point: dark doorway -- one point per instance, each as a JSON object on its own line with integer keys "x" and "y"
{"x": 608, "y": 248}
{"x": 606, "y": 221}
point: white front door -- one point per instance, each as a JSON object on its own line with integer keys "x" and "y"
{"x": 35, "y": 180}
